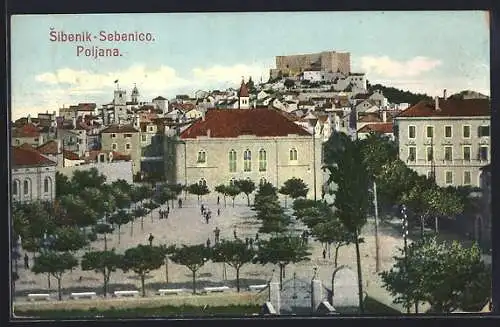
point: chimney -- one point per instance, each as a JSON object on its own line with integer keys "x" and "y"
{"x": 444, "y": 94}
{"x": 384, "y": 116}
{"x": 436, "y": 104}
{"x": 316, "y": 291}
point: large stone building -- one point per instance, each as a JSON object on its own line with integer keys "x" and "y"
{"x": 33, "y": 175}
{"x": 123, "y": 139}
{"x": 327, "y": 61}
{"x": 447, "y": 138}
{"x": 259, "y": 144}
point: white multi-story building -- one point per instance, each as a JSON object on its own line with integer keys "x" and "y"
{"x": 257, "y": 144}
{"x": 449, "y": 139}
{"x": 33, "y": 176}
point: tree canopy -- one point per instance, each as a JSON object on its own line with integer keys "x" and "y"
{"x": 142, "y": 259}
{"x": 193, "y": 257}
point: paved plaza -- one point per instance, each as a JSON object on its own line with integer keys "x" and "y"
{"x": 187, "y": 226}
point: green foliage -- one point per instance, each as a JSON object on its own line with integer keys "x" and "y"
{"x": 235, "y": 253}
{"x": 246, "y": 186}
{"x": 69, "y": 239}
{"x": 378, "y": 150}
{"x": 289, "y": 83}
{"x": 102, "y": 262}
{"x": 394, "y": 95}
{"x": 232, "y": 191}
{"x": 222, "y": 189}
{"x": 55, "y": 264}
{"x": 446, "y": 275}
{"x": 269, "y": 211}
{"x": 32, "y": 220}
{"x": 295, "y": 188}
{"x": 193, "y": 257}
{"x": 282, "y": 249}
{"x": 198, "y": 190}
{"x": 394, "y": 180}
{"x": 74, "y": 211}
{"x": 63, "y": 185}
{"x": 142, "y": 259}
{"x": 90, "y": 178}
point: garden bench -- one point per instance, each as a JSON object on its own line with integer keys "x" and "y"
{"x": 33, "y": 297}
{"x": 257, "y": 287}
{"x": 126, "y": 293}
{"x": 171, "y": 291}
{"x": 89, "y": 295}
{"x": 215, "y": 289}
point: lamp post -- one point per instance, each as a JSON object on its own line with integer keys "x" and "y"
{"x": 404, "y": 220}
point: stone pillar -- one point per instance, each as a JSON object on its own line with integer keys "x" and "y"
{"x": 316, "y": 293}
{"x": 274, "y": 293}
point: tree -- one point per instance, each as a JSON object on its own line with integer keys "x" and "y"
{"x": 269, "y": 211}
{"x": 139, "y": 212}
{"x": 222, "y": 189}
{"x": 142, "y": 259}
{"x": 120, "y": 218}
{"x": 295, "y": 188}
{"x": 289, "y": 83}
{"x": 177, "y": 190}
{"x": 90, "y": 178}
{"x": 54, "y": 264}
{"x": 246, "y": 186}
{"x": 102, "y": 262}
{"x": 235, "y": 253}
{"x": 281, "y": 250}
{"x": 393, "y": 181}
{"x": 199, "y": 190}
{"x": 446, "y": 275}
{"x": 232, "y": 191}
{"x": 167, "y": 250}
{"x": 68, "y": 239}
{"x": 350, "y": 173}
{"x": 378, "y": 150}
{"x": 193, "y": 257}
{"x": 75, "y": 211}
{"x": 104, "y": 229}
{"x": 63, "y": 185}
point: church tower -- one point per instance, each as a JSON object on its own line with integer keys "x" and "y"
{"x": 243, "y": 96}
{"x": 135, "y": 95}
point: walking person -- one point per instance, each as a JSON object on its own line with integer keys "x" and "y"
{"x": 256, "y": 236}
{"x": 324, "y": 254}
{"x": 208, "y": 242}
{"x": 202, "y": 209}
{"x": 26, "y": 261}
{"x": 180, "y": 203}
{"x": 217, "y": 233}
{"x": 218, "y": 200}
{"x": 150, "y": 239}
{"x": 250, "y": 241}
{"x": 207, "y": 218}
{"x": 247, "y": 241}
{"x": 218, "y": 212}
{"x": 234, "y": 233}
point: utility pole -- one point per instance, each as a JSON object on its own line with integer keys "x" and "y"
{"x": 377, "y": 240}
{"x": 404, "y": 221}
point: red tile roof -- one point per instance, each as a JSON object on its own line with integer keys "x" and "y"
{"x": 226, "y": 123}
{"x": 22, "y": 157}
{"x": 383, "y": 128}
{"x": 243, "y": 92}
{"x": 50, "y": 147}
{"x": 449, "y": 108}
{"x": 26, "y": 146}
{"x": 70, "y": 155}
{"x": 28, "y": 130}
{"x": 116, "y": 155}
{"x": 120, "y": 129}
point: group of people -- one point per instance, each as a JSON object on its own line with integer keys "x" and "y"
{"x": 164, "y": 213}
{"x": 207, "y": 213}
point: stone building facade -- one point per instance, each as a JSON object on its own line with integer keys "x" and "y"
{"x": 448, "y": 139}
{"x": 328, "y": 61}
{"x": 257, "y": 144}
{"x": 124, "y": 139}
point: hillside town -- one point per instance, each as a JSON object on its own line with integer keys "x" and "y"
{"x": 266, "y": 132}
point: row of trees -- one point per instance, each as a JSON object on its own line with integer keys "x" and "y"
{"x": 354, "y": 167}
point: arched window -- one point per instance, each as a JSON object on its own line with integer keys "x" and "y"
{"x": 293, "y": 154}
{"x": 262, "y": 160}
{"x": 232, "y": 161}
{"x": 202, "y": 156}
{"x": 232, "y": 181}
{"x": 247, "y": 160}
{"x": 15, "y": 187}
{"x": 26, "y": 187}
{"x": 262, "y": 181}
{"x": 47, "y": 185}
{"x": 202, "y": 182}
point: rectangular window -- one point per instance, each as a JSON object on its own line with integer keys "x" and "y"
{"x": 483, "y": 131}
{"x": 467, "y": 151}
{"x": 232, "y": 161}
{"x": 448, "y": 177}
{"x": 430, "y": 153}
{"x": 127, "y": 146}
{"x": 467, "y": 178}
{"x": 466, "y": 131}
{"x": 262, "y": 160}
{"x": 144, "y": 138}
{"x": 448, "y": 153}
{"x": 113, "y": 136}
{"x": 247, "y": 161}
{"x": 412, "y": 131}
{"x": 114, "y": 146}
{"x": 447, "y": 131}
{"x": 412, "y": 153}
{"x": 483, "y": 153}
{"x": 429, "y": 131}
{"x": 127, "y": 136}
{"x": 429, "y": 174}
